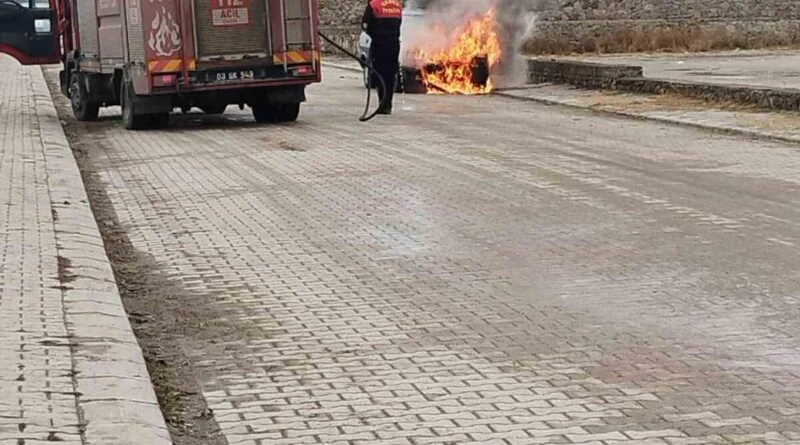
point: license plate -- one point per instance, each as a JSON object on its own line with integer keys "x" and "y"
{"x": 232, "y": 76}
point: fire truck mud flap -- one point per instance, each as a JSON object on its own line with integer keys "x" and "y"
{"x": 294, "y": 94}
{"x": 287, "y": 95}
{"x": 152, "y": 104}
{"x": 214, "y": 99}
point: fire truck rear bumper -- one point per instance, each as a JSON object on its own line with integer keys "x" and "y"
{"x": 165, "y": 101}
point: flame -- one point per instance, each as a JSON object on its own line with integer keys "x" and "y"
{"x": 451, "y": 70}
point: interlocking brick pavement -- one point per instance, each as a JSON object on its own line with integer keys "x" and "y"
{"x": 475, "y": 270}
{"x": 70, "y": 369}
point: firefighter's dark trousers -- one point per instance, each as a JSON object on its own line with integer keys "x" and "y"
{"x": 386, "y": 60}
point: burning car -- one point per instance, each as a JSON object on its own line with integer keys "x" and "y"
{"x": 439, "y": 57}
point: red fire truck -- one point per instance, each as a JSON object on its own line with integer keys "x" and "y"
{"x": 153, "y": 56}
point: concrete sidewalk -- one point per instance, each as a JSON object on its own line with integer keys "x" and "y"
{"x": 71, "y": 370}
{"x": 771, "y": 69}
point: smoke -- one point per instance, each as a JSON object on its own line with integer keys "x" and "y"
{"x": 429, "y": 25}
{"x": 517, "y": 23}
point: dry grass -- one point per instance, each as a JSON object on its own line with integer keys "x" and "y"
{"x": 667, "y": 39}
{"x": 748, "y": 115}
{"x": 638, "y": 102}
{"x": 665, "y": 102}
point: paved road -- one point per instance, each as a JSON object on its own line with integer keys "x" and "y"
{"x": 475, "y": 270}
{"x": 776, "y": 69}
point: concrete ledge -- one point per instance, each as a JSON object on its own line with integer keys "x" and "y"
{"x": 630, "y": 78}
{"x": 582, "y": 74}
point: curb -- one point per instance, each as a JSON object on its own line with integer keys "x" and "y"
{"x": 115, "y": 398}
{"x": 663, "y": 120}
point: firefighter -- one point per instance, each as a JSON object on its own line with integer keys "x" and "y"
{"x": 382, "y": 21}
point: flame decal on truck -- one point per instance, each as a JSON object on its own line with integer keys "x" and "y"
{"x": 165, "y": 36}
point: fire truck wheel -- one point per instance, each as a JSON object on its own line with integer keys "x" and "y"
{"x": 264, "y": 113}
{"x": 288, "y": 112}
{"x": 81, "y": 107}
{"x": 130, "y": 119}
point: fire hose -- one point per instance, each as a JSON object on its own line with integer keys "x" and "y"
{"x": 365, "y": 63}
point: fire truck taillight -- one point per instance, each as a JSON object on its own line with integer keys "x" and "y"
{"x": 305, "y": 70}
{"x": 164, "y": 80}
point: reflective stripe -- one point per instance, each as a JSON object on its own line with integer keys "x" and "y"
{"x": 387, "y": 9}
{"x": 169, "y": 66}
{"x": 164, "y": 66}
{"x": 295, "y": 57}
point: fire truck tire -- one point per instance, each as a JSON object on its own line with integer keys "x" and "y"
{"x": 264, "y": 113}
{"x": 130, "y": 119}
{"x": 81, "y": 107}
{"x": 288, "y": 112}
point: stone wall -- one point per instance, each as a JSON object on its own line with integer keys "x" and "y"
{"x": 340, "y": 20}
{"x": 677, "y": 10}
{"x": 621, "y": 36}
{"x": 338, "y": 13}
{"x": 611, "y": 25}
